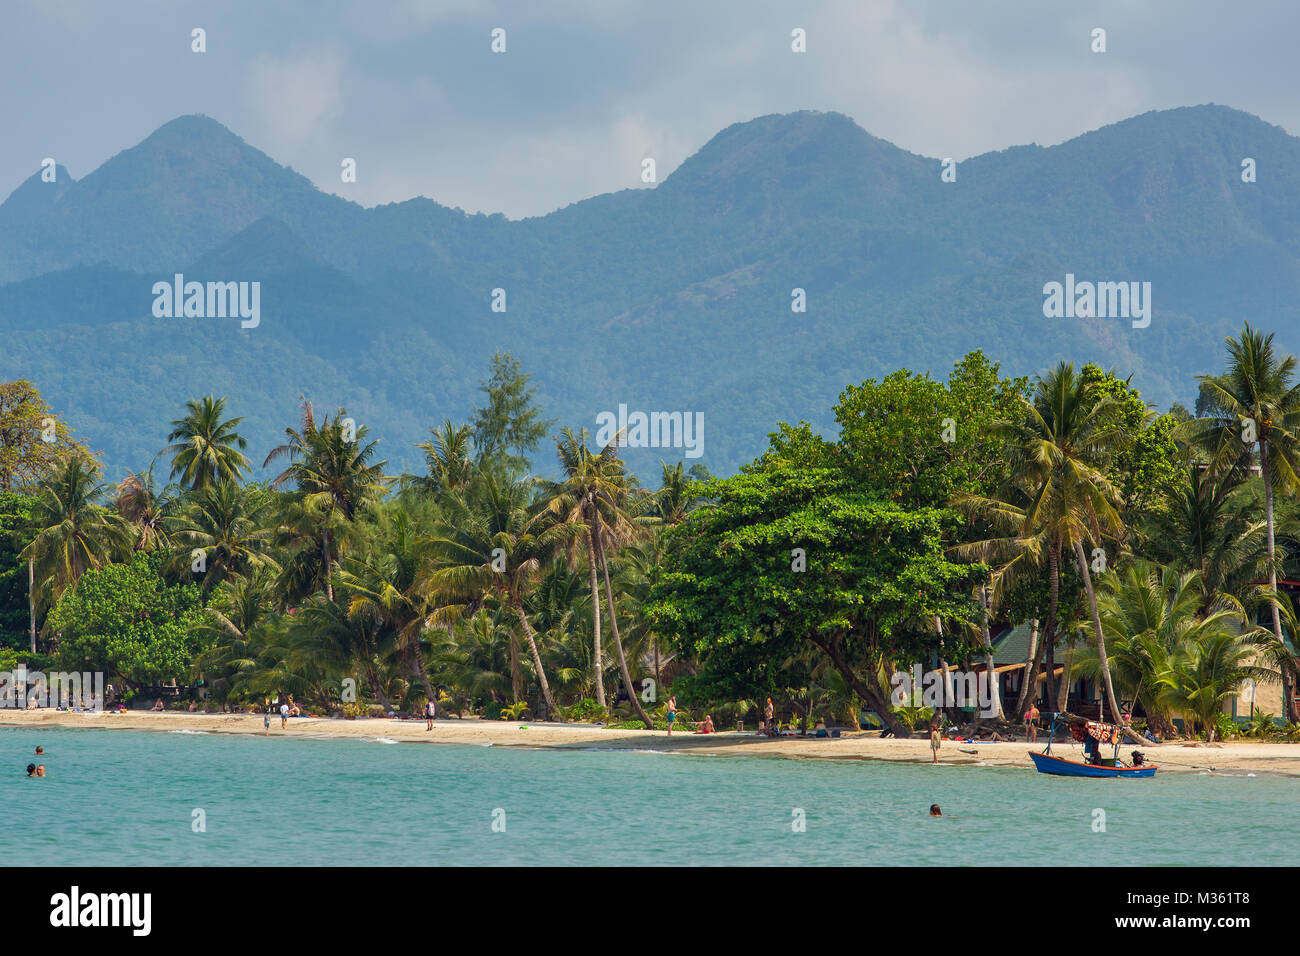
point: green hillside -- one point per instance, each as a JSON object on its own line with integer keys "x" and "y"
{"x": 671, "y": 298}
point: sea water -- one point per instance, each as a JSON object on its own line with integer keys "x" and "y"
{"x": 131, "y": 798}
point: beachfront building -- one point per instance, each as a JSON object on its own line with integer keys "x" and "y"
{"x": 1011, "y": 646}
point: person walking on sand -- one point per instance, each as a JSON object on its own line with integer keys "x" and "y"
{"x": 935, "y": 741}
{"x": 284, "y": 716}
{"x": 767, "y": 717}
{"x": 266, "y": 718}
{"x": 1031, "y": 723}
{"x": 430, "y": 710}
{"x": 672, "y": 712}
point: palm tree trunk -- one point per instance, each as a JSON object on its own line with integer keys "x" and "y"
{"x": 1288, "y": 701}
{"x": 1082, "y": 558}
{"x": 376, "y": 686}
{"x": 618, "y": 642}
{"x": 1063, "y": 688}
{"x": 1054, "y": 610}
{"x": 552, "y": 711}
{"x": 329, "y": 567}
{"x": 516, "y": 674}
{"x": 870, "y": 695}
{"x": 995, "y": 693}
{"x": 418, "y": 656}
{"x": 1031, "y": 670}
{"x": 598, "y": 665}
{"x": 949, "y": 698}
{"x": 31, "y": 597}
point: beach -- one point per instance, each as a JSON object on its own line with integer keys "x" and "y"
{"x": 1238, "y": 757}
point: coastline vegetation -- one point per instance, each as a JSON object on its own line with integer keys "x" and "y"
{"x": 527, "y": 575}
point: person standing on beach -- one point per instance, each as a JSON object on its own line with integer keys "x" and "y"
{"x": 935, "y": 741}
{"x": 672, "y": 712}
{"x": 430, "y": 711}
{"x": 266, "y": 719}
{"x": 1031, "y": 723}
{"x": 767, "y": 716}
{"x": 284, "y": 716}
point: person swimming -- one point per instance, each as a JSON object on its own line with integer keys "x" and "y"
{"x": 935, "y": 811}
{"x": 31, "y": 770}
{"x": 40, "y": 750}
{"x": 40, "y": 770}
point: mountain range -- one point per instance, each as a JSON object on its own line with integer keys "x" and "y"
{"x": 676, "y": 297}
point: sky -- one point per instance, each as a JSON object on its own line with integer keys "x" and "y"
{"x": 412, "y": 90}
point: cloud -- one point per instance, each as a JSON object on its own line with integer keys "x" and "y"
{"x": 290, "y": 98}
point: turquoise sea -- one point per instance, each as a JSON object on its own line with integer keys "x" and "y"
{"x": 126, "y": 798}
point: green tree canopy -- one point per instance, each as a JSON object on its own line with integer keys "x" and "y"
{"x": 127, "y": 620}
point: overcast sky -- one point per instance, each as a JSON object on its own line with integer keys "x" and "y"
{"x": 412, "y": 90}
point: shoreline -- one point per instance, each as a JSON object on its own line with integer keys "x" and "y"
{"x": 1237, "y": 758}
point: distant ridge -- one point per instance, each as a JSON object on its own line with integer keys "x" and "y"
{"x": 677, "y": 297}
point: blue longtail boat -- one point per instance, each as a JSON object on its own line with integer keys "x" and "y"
{"x": 1091, "y": 734}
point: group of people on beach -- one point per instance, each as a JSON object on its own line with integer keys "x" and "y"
{"x": 284, "y": 706}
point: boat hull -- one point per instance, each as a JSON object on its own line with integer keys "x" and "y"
{"x": 1068, "y": 768}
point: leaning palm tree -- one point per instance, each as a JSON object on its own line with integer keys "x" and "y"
{"x": 600, "y": 496}
{"x": 1060, "y": 500}
{"x": 1257, "y": 406}
{"x": 205, "y": 449}
{"x": 492, "y": 544}
{"x": 73, "y": 533}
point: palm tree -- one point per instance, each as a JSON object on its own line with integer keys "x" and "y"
{"x": 1059, "y": 498}
{"x": 74, "y": 534}
{"x": 493, "y": 543}
{"x": 226, "y": 522}
{"x": 1204, "y": 675}
{"x": 331, "y": 468}
{"x": 603, "y": 494}
{"x": 1206, "y": 527}
{"x": 586, "y": 489}
{"x": 385, "y": 586}
{"x": 447, "y": 455}
{"x": 204, "y": 448}
{"x": 142, "y": 506}
{"x": 1149, "y": 613}
{"x": 238, "y": 606}
{"x": 673, "y": 502}
{"x": 476, "y": 656}
{"x": 1257, "y": 403}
